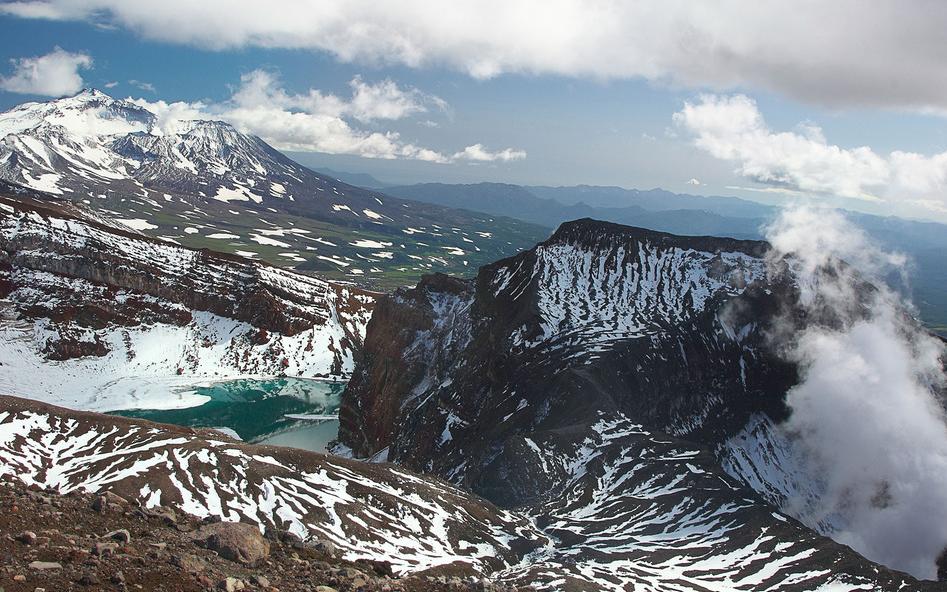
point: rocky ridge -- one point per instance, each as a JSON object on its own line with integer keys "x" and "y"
{"x": 79, "y": 291}
{"x": 600, "y": 318}
{"x": 364, "y": 511}
{"x": 595, "y": 383}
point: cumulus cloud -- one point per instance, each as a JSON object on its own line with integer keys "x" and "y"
{"x": 322, "y": 122}
{"x": 145, "y": 86}
{"x": 386, "y": 100}
{"x": 55, "y": 74}
{"x": 732, "y": 128}
{"x": 170, "y": 115}
{"x": 883, "y": 53}
{"x": 477, "y": 153}
{"x": 866, "y": 416}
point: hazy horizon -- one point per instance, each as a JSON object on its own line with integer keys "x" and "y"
{"x": 629, "y": 96}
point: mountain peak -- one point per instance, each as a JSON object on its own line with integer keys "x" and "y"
{"x": 590, "y": 232}
{"x": 91, "y": 93}
{"x": 92, "y": 98}
{"x": 196, "y": 127}
{"x": 63, "y": 140}
{"x": 88, "y": 113}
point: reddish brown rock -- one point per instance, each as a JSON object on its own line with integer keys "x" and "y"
{"x": 235, "y": 541}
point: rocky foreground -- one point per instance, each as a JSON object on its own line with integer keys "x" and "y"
{"x": 82, "y": 541}
{"x": 366, "y": 511}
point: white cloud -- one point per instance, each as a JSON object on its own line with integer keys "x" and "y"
{"x": 841, "y": 53}
{"x": 694, "y": 182}
{"x": 55, "y": 74}
{"x": 865, "y": 417}
{"x": 732, "y": 128}
{"x": 145, "y": 86}
{"x": 170, "y": 114}
{"x": 386, "y": 100}
{"x": 318, "y": 122}
{"x": 477, "y": 153}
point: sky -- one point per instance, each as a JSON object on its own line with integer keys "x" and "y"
{"x": 841, "y": 103}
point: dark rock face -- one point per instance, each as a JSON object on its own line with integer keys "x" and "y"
{"x": 397, "y": 322}
{"x": 591, "y": 383}
{"x": 68, "y": 347}
{"x": 599, "y": 319}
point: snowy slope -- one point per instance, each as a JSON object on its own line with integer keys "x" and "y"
{"x": 99, "y": 318}
{"x": 367, "y": 511}
{"x": 585, "y": 298}
{"x": 616, "y": 383}
{"x": 203, "y": 184}
{"x": 640, "y": 513}
{"x": 648, "y": 512}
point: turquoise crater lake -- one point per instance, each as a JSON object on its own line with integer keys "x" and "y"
{"x": 293, "y": 412}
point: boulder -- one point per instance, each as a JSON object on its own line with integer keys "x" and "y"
{"x": 105, "y": 549}
{"x": 121, "y": 535}
{"x": 235, "y": 541}
{"x": 231, "y": 585}
{"x": 45, "y": 565}
{"x": 27, "y": 537}
{"x": 189, "y": 563}
{"x": 109, "y": 501}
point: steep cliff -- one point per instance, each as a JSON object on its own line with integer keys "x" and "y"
{"x": 599, "y": 319}
{"x": 74, "y": 286}
{"x": 603, "y": 383}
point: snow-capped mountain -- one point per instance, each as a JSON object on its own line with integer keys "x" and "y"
{"x": 205, "y": 184}
{"x": 612, "y": 383}
{"x": 93, "y": 144}
{"x": 587, "y": 385}
{"x": 97, "y": 316}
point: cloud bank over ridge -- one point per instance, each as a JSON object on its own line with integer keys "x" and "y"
{"x": 840, "y": 54}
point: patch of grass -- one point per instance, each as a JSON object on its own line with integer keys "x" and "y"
{"x": 406, "y": 256}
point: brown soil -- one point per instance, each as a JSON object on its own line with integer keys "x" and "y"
{"x": 161, "y": 553}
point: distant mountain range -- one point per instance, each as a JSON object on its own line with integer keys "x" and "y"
{"x": 657, "y": 209}
{"x": 204, "y": 184}
{"x": 357, "y": 179}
